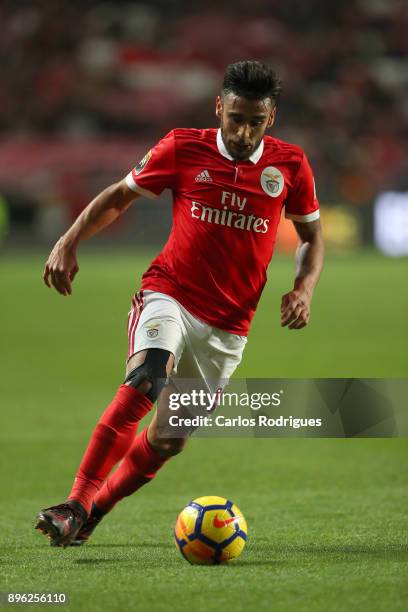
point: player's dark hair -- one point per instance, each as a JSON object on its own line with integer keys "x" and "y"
{"x": 251, "y": 80}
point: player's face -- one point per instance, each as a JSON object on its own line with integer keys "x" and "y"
{"x": 243, "y": 123}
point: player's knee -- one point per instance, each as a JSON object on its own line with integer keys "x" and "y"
{"x": 150, "y": 376}
{"x": 167, "y": 447}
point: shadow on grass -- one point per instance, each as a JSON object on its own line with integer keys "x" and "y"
{"x": 137, "y": 545}
{"x": 270, "y": 556}
{"x": 45, "y": 546}
{"x": 99, "y": 561}
{"x": 259, "y": 554}
{"x": 336, "y": 552}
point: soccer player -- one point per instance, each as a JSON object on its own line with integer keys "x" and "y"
{"x": 193, "y": 311}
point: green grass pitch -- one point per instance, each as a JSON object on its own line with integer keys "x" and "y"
{"x": 327, "y": 517}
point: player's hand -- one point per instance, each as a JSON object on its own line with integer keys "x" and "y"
{"x": 61, "y": 268}
{"x": 295, "y": 309}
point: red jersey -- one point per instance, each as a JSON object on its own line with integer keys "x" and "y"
{"x": 225, "y": 218}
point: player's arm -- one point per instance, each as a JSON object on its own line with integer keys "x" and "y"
{"x": 62, "y": 265}
{"x": 295, "y": 306}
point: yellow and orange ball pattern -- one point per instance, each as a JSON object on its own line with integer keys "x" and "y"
{"x": 210, "y": 530}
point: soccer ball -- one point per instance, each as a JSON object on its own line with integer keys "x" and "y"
{"x": 210, "y": 530}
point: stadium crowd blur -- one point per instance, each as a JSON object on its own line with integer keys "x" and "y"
{"x": 88, "y": 86}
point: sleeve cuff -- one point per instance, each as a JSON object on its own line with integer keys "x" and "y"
{"x": 131, "y": 183}
{"x": 313, "y": 216}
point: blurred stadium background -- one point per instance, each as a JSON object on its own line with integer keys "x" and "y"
{"x": 88, "y": 87}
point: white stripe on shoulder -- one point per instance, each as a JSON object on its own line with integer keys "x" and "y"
{"x": 131, "y": 183}
{"x": 313, "y": 216}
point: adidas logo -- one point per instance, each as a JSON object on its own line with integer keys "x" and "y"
{"x": 203, "y": 177}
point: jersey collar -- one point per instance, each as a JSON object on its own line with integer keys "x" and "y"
{"x": 254, "y": 158}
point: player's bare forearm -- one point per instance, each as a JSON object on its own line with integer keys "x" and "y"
{"x": 295, "y": 307}
{"x": 309, "y": 257}
{"x": 62, "y": 266}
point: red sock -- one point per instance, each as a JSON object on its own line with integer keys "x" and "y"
{"x": 110, "y": 441}
{"x": 137, "y": 468}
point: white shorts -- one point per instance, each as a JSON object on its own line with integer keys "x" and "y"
{"x": 157, "y": 320}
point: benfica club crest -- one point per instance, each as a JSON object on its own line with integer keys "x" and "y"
{"x": 272, "y": 181}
